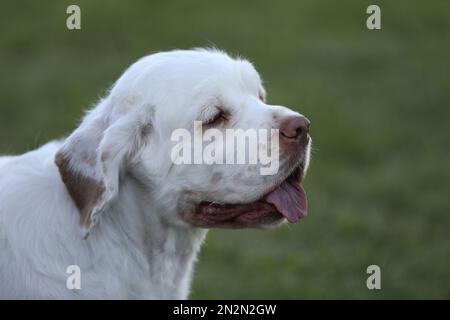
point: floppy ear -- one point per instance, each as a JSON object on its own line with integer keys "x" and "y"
{"x": 90, "y": 160}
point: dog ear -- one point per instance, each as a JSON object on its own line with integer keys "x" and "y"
{"x": 91, "y": 158}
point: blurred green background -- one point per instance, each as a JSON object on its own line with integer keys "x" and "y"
{"x": 379, "y": 103}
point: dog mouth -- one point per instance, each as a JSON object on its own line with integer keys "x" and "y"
{"x": 287, "y": 200}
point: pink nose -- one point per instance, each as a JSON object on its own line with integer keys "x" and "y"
{"x": 294, "y": 127}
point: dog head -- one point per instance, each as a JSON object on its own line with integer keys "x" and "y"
{"x": 169, "y": 121}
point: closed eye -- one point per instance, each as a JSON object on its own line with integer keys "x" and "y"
{"x": 219, "y": 117}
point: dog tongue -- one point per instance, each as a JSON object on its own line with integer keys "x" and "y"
{"x": 290, "y": 200}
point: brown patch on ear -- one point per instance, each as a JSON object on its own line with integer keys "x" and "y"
{"x": 84, "y": 191}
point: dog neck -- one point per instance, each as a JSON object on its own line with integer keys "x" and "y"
{"x": 170, "y": 251}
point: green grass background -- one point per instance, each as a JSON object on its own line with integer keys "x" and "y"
{"x": 378, "y": 101}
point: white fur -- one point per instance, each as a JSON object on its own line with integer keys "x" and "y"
{"x": 138, "y": 246}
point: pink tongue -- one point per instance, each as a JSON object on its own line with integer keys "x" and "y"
{"x": 290, "y": 200}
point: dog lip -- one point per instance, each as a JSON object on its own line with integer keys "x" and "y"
{"x": 216, "y": 214}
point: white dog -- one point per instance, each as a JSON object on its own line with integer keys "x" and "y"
{"x": 109, "y": 200}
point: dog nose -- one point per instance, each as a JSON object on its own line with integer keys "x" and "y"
{"x": 294, "y": 127}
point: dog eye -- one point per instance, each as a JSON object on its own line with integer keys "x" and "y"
{"x": 219, "y": 117}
